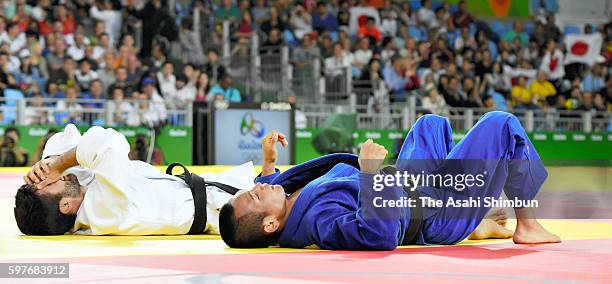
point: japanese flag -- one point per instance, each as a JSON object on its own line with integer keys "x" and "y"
{"x": 582, "y": 48}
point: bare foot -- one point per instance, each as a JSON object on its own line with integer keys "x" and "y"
{"x": 530, "y": 231}
{"x": 498, "y": 215}
{"x": 489, "y": 229}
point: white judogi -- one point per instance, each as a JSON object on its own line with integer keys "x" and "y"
{"x": 126, "y": 197}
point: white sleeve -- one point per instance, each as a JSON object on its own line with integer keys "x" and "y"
{"x": 95, "y": 13}
{"x": 105, "y": 153}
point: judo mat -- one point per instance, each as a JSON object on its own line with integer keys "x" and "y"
{"x": 584, "y": 256}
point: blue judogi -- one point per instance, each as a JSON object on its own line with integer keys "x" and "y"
{"x": 329, "y": 212}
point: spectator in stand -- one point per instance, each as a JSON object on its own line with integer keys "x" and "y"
{"x": 389, "y": 49}
{"x": 389, "y": 15}
{"x": 401, "y": 77}
{"x": 433, "y": 102}
{"x": 37, "y": 111}
{"x": 550, "y": 28}
{"x": 407, "y": 15}
{"x": 213, "y": 68}
{"x": 322, "y": 20}
{"x": 202, "y": 87}
{"x": 106, "y": 72}
{"x": 152, "y": 16}
{"x": 489, "y": 103}
{"x": 516, "y": 33}
{"x": 462, "y": 18}
{"x": 370, "y": 87}
{"x": 363, "y": 53}
{"x": 496, "y": 81}
{"x": 521, "y": 96}
{"x": 304, "y": 54}
{"x": 77, "y": 49}
{"x": 336, "y": 64}
{"x": 183, "y": 95}
{"x": 225, "y": 88}
{"x": 471, "y": 90}
{"x": 301, "y": 22}
{"x": 167, "y": 81}
{"x": 15, "y": 38}
{"x": 426, "y": 16}
{"x": 227, "y": 11}
{"x": 370, "y": 30}
{"x": 543, "y": 91}
{"x": 147, "y": 112}
{"x": 69, "y": 110}
{"x": 273, "y": 22}
{"x": 259, "y": 11}
{"x": 191, "y": 45}
{"x": 326, "y": 46}
{"x": 95, "y": 92}
{"x": 552, "y": 63}
{"x": 122, "y": 82}
{"x": 465, "y": 40}
{"x": 84, "y": 76}
{"x": 593, "y": 80}
{"x": 121, "y": 109}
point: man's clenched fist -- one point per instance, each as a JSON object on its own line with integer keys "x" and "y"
{"x": 268, "y": 146}
{"x": 371, "y": 156}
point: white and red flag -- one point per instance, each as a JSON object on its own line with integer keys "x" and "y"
{"x": 582, "y": 48}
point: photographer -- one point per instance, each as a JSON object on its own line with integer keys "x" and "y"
{"x": 11, "y": 155}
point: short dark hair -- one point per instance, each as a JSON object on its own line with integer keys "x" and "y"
{"x": 244, "y": 232}
{"x": 12, "y": 129}
{"x": 39, "y": 214}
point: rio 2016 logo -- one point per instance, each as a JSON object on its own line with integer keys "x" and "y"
{"x": 249, "y": 125}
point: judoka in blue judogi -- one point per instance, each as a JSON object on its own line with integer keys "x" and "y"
{"x": 328, "y": 201}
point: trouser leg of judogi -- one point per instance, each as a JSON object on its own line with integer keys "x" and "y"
{"x": 496, "y": 147}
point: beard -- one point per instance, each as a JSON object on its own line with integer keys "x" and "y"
{"x": 72, "y": 187}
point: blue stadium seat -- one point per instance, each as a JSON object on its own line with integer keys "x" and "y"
{"x": 290, "y": 38}
{"x": 493, "y": 49}
{"x": 498, "y": 27}
{"x": 529, "y": 28}
{"x": 509, "y": 25}
{"x": 9, "y": 110}
{"x": 473, "y": 29}
{"x": 451, "y": 37}
{"x": 417, "y": 33}
{"x": 436, "y": 4}
{"x": 415, "y": 5}
{"x": 568, "y": 30}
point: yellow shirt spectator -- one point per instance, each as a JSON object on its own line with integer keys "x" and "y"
{"x": 542, "y": 90}
{"x": 521, "y": 96}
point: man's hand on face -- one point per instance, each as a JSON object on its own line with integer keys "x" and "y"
{"x": 371, "y": 157}
{"x": 43, "y": 173}
{"x": 270, "y": 155}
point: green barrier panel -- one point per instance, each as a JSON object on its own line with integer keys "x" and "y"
{"x": 175, "y": 143}
{"x": 567, "y": 148}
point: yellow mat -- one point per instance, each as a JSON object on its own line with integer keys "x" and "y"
{"x": 15, "y": 246}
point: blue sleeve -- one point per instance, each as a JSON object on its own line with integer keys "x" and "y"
{"x": 267, "y": 179}
{"x": 395, "y": 82}
{"x": 337, "y": 226}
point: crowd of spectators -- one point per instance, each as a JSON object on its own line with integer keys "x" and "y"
{"x": 63, "y": 55}
{"x": 436, "y": 51}
{"x": 119, "y": 51}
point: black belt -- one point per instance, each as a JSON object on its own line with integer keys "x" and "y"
{"x": 198, "y": 185}
{"x": 415, "y": 226}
